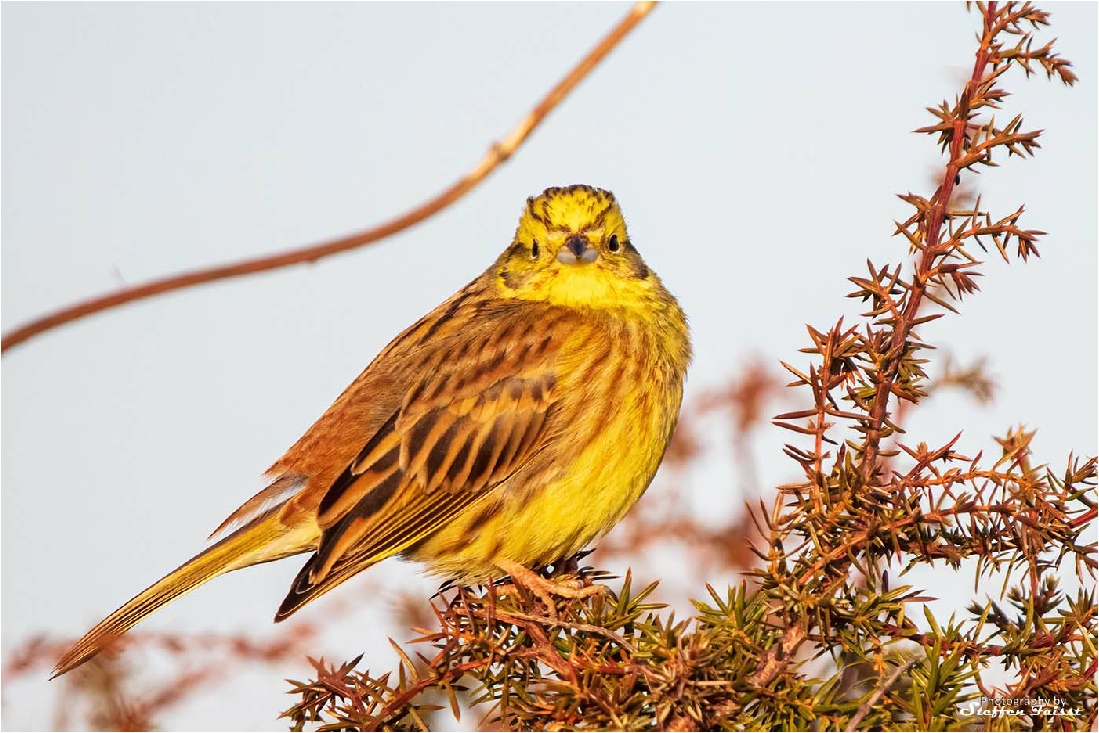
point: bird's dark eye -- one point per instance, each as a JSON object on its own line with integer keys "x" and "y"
{"x": 612, "y": 243}
{"x": 534, "y": 251}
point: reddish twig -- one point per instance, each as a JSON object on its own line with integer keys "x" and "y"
{"x": 931, "y": 251}
{"x": 497, "y": 154}
{"x": 774, "y": 661}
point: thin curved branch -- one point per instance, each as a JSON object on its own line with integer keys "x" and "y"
{"x": 497, "y": 154}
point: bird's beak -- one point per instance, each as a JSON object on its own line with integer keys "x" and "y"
{"x": 577, "y": 251}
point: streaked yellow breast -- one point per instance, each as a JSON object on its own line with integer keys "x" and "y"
{"x": 622, "y": 389}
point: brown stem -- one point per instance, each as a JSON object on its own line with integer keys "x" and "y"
{"x": 497, "y": 154}
{"x": 515, "y": 616}
{"x": 932, "y": 249}
{"x": 879, "y": 693}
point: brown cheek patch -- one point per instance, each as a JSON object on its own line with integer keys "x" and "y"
{"x": 511, "y": 279}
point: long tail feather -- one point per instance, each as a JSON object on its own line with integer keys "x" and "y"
{"x": 262, "y": 540}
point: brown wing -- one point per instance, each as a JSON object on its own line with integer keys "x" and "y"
{"x": 475, "y": 411}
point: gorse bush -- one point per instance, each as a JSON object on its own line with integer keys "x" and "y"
{"x": 873, "y": 503}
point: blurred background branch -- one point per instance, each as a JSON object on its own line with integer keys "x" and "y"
{"x": 497, "y": 154}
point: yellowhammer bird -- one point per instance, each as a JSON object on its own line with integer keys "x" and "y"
{"x": 506, "y": 429}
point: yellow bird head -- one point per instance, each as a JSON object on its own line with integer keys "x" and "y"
{"x": 572, "y": 248}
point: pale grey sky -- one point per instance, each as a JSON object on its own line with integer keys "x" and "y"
{"x": 756, "y": 151}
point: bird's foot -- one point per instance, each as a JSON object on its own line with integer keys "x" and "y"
{"x": 546, "y": 588}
